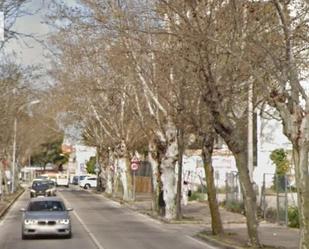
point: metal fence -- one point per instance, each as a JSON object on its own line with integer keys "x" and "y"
{"x": 277, "y": 195}
{"x": 232, "y": 187}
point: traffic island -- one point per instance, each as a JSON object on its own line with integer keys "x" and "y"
{"x": 8, "y": 201}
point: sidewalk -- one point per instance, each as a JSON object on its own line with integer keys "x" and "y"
{"x": 8, "y": 201}
{"x": 197, "y": 220}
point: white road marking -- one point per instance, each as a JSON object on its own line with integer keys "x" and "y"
{"x": 91, "y": 235}
{"x": 202, "y": 242}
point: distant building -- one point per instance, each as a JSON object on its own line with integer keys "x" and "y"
{"x": 82, "y": 156}
{"x": 79, "y": 156}
{"x": 223, "y": 163}
{"x": 269, "y": 136}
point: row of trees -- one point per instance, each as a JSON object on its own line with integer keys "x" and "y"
{"x": 35, "y": 124}
{"x": 167, "y": 75}
{"x": 27, "y": 121}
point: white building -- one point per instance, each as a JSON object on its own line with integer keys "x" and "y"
{"x": 269, "y": 137}
{"x": 80, "y": 157}
{"x": 193, "y": 169}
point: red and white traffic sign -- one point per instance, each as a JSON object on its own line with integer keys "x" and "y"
{"x": 135, "y": 163}
{"x": 134, "y": 166}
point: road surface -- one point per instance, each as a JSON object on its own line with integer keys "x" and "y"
{"x": 98, "y": 223}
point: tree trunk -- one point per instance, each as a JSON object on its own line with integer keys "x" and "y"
{"x": 168, "y": 171}
{"x": 153, "y": 160}
{"x": 302, "y": 178}
{"x": 5, "y": 190}
{"x": 1, "y": 177}
{"x": 249, "y": 198}
{"x": 207, "y": 149}
{"x": 109, "y": 172}
{"x": 123, "y": 170}
{"x": 125, "y": 178}
{"x": 115, "y": 176}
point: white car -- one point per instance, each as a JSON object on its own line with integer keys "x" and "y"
{"x": 88, "y": 182}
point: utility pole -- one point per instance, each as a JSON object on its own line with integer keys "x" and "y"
{"x": 14, "y": 143}
{"x": 250, "y": 130}
{"x": 14, "y": 157}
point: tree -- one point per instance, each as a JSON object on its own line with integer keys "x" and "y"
{"x": 49, "y": 152}
{"x": 91, "y": 165}
{"x": 12, "y": 10}
{"x": 282, "y": 69}
{"x": 279, "y": 158}
{"x": 216, "y": 49}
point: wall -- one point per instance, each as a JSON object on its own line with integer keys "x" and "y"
{"x": 270, "y": 137}
{"x": 82, "y": 155}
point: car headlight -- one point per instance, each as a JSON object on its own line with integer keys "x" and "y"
{"x": 30, "y": 222}
{"x": 32, "y": 190}
{"x": 64, "y": 221}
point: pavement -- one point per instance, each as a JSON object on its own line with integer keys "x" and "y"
{"x": 197, "y": 222}
{"x": 7, "y": 201}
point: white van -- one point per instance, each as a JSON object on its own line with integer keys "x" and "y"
{"x": 62, "y": 180}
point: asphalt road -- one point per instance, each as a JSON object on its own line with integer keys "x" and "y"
{"x": 98, "y": 223}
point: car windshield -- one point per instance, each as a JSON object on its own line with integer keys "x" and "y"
{"x": 40, "y": 185}
{"x": 37, "y": 206}
{"x": 52, "y": 183}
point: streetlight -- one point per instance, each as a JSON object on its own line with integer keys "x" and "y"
{"x": 14, "y": 142}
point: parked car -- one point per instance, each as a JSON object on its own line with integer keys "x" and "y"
{"x": 77, "y": 179}
{"x": 62, "y": 180}
{"x": 52, "y": 187}
{"x": 46, "y": 216}
{"x": 40, "y": 187}
{"x": 88, "y": 182}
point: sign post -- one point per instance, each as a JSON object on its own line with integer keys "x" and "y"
{"x": 134, "y": 166}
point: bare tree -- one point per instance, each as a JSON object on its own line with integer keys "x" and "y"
{"x": 280, "y": 68}
{"x": 12, "y": 10}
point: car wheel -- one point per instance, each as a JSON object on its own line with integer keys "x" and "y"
{"x": 69, "y": 236}
{"x": 24, "y": 237}
{"x": 87, "y": 186}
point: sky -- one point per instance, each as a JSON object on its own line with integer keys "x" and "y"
{"x": 26, "y": 50}
{"x": 29, "y": 52}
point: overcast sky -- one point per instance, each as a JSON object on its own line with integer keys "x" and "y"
{"x": 27, "y": 50}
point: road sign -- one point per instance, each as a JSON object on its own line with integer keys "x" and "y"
{"x": 134, "y": 166}
{"x": 135, "y": 163}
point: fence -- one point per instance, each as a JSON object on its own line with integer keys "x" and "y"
{"x": 277, "y": 195}
{"x": 232, "y": 187}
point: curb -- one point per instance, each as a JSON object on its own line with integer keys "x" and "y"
{"x": 217, "y": 243}
{"x": 4, "y": 211}
{"x": 183, "y": 221}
